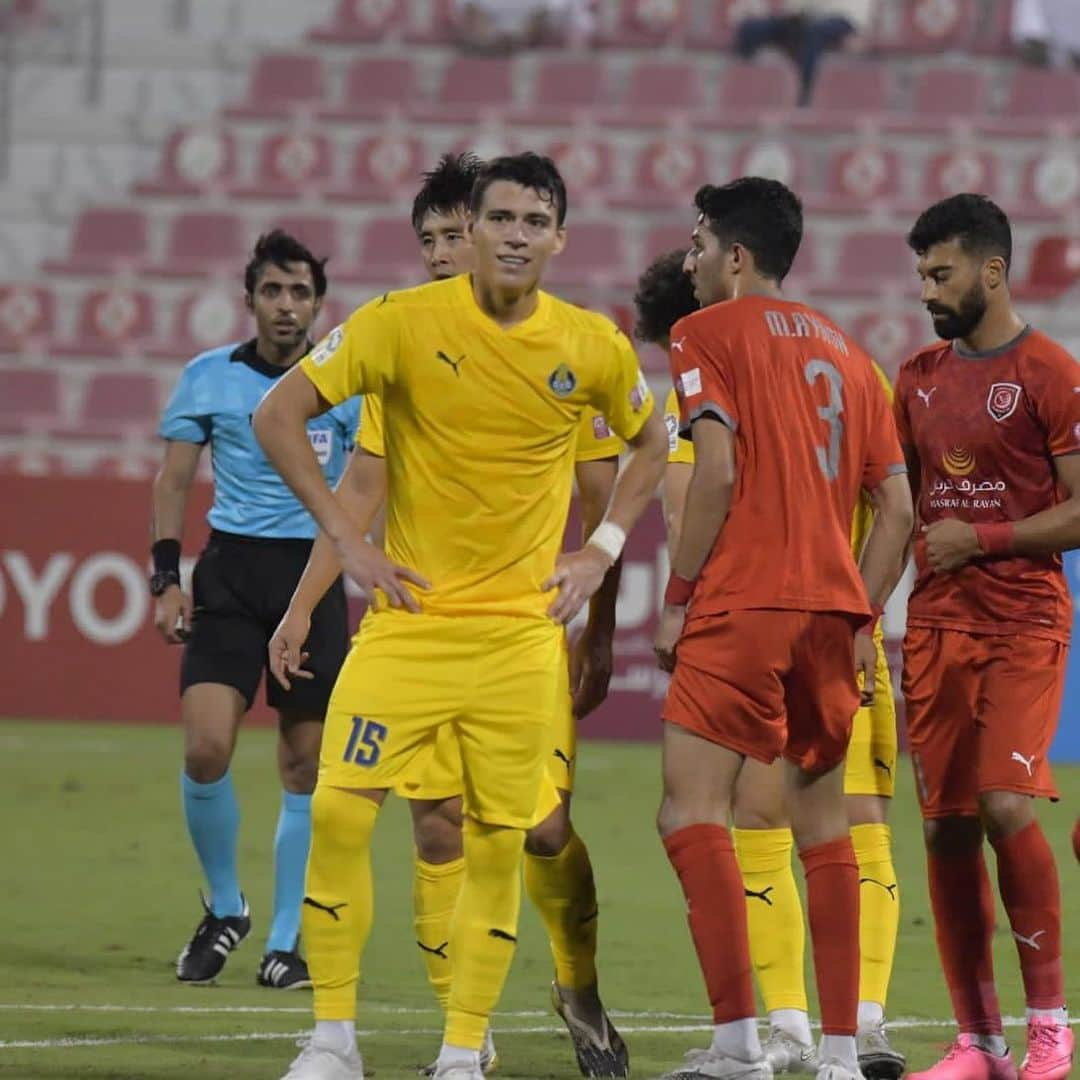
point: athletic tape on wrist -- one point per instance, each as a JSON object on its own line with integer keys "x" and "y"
{"x": 609, "y": 538}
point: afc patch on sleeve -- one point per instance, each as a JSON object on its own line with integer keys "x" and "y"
{"x": 328, "y": 346}
{"x": 691, "y": 382}
{"x": 322, "y": 442}
{"x": 640, "y": 393}
{"x": 671, "y": 422}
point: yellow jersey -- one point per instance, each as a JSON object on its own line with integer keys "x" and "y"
{"x": 480, "y": 432}
{"x": 681, "y": 451}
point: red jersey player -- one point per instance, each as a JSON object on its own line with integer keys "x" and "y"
{"x": 990, "y": 423}
{"x": 789, "y": 422}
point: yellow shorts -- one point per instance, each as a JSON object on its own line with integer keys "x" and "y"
{"x": 491, "y": 681}
{"x": 439, "y": 776}
{"x": 870, "y": 768}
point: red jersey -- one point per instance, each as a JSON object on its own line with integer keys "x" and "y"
{"x": 986, "y": 428}
{"x": 812, "y": 427}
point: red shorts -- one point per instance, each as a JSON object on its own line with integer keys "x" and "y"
{"x": 982, "y": 710}
{"x": 768, "y": 682}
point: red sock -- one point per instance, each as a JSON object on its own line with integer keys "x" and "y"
{"x": 1028, "y": 880}
{"x": 963, "y": 906}
{"x": 704, "y": 858}
{"x": 832, "y": 909}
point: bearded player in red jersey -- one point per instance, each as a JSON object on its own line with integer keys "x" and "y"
{"x": 990, "y": 424}
{"x": 789, "y": 422}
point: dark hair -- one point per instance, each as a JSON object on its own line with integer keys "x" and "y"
{"x": 664, "y": 295}
{"x": 763, "y": 215}
{"x": 446, "y": 188}
{"x": 530, "y": 171}
{"x": 279, "y": 248}
{"x": 978, "y": 223}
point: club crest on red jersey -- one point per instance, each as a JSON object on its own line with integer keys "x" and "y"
{"x": 1002, "y": 400}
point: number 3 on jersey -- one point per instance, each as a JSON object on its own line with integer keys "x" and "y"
{"x": 829, "y": 457}
{"x": 365, "y": 742}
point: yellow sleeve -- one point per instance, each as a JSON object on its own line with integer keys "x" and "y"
{"x": 884, "y": 380}
{"x": 369, "y": 435}
{"x": 358, "y": 357}
{"x": 621, "y": 393}
{"x": 595, "y": 442}
{"x": 680, "y": 451}
{"x": 864, "y": 508}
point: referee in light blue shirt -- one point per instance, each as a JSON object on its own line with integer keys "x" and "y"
{"x": 260, "y": 537}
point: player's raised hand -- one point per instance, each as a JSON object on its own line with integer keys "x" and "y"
{"x": 577, "y": 576}
{"x": 371, "y": 569}
{"x": 668, "y": 632}
{"x": 285, "y": 650}
{"x": 950, "y": 544}
{"x": 172, "y": 615}
{"x": 865, "y": 667}
{"x": 592, "y": 657}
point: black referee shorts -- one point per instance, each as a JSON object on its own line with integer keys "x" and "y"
{"x": 241, "y": 588}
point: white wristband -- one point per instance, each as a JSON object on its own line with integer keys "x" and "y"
{"x": 609, "y": 538}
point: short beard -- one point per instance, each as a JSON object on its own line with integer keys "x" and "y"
{"x": 961, "y": 321}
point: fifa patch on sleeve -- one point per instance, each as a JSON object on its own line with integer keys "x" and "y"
{"x": 640, "y": 394}
{"x": 322, "y": 444}
{"x": 671, "y": 422}
{"x": 600, "y": 428}
{"x": 328, "y": 346}
{"x": 691, "y": 382}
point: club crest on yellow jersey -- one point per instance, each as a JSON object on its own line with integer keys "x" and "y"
{"x": 562, "y": 381}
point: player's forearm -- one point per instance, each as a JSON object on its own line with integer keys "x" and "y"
{"x": 640, "y": 475}
{"x": 673, "y": 501}
{"x": 708, "y": 500}
{"x": 1049, "y": 531}
{"x": 168, "y": 506}
{"x": 596, "y": 482}
{"x": 885, "y": 552}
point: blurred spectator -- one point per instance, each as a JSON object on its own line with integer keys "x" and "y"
{"x": 1047, "y": 31}
{"x": 504, "y": 25}
{"x": 806, "y": 31}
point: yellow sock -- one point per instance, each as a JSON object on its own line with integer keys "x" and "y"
{"x": 436, "y": 888}
{"x": 483, "y": 932}
{"x": 337, "y": 910}
{"x": 774, "y": 916}
{"x": 564, "y": 893}
{"x": 879, "y": 910}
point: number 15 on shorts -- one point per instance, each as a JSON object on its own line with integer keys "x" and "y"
{"x": 365, "y": 742}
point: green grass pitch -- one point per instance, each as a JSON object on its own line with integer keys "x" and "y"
{"x": 99, "y": 892}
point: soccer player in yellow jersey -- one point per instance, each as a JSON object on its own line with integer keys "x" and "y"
{"x": 482, "y": 380}
{"x": 558, "y": 871}
{"x": 763, "y": 838}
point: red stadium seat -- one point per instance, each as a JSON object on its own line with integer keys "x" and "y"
{"x": 845, "y": 91}
{"x": 105, "y": 241}
{"x": 196, "y": 160}
{"x": 112, "y": 322}
{"x": 471, "y": 86}
{"x": 29, "y": 400}
{"x": 646, "y": 24}
{"x": 890, "y": 337}
{"x": 658, "y": 89}
{"x": 389, "y": 254}
{"x": 860, "y": 177}
{"x": 27, "y": 317}
{"x": 587, "y": 165}
{"x": 963, "y": 168}
{"x": 943, "y": 98}
{"x": 281, "y": 85}
{"x": 1050, "y": 186}
{"x": 667, "y": 174}
{"x": 1055, "y": 267}
{"x": 206, "y": 319}
{"x": 119, "y": 404}
{"x": 806, "y": 266}
{"x": 202, "y": 242}
{"x": 661, "y": 239}
{"x": 869, "y": 263}
{"x": 566, "y": 86}
{"x": 357, "y": 21}
{"x": 290, "y": 167}
{"x": 749, "y": 89}
{"x": 777, "y": 158}
{"x": 593, "y": 252}
{"x": 712, "y": 23}
{"x": 375, "y": 86}
{"x": 931, "y": 26}
{"x": 319, "y": 233}
{"x": 1036, "y": 97}
{"x": 383, "y": 167}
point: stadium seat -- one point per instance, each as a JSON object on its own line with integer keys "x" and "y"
{"x": 290, "y": 166}
{"x": 27, "y": 316}
{"x": 657, "y": 91}
{"x": 593, "y": 252}
{"x": 471, "y": 87}
{"x": 29, "y": 400}
{"x": 1050, "y": 185}
{"x": 712, "y": 23}
{"x": 1054, "y": 267}
{"x": 869, "y": 263}
{"x": 566, "y": 86}
{"x": 845, "y": 92}
{"x": 929, "y": 26}
{"x": 1036, "y": 97}
{"x": 890, "y": 336}
{"x": 356, "y": 21}
{"x": 775, "y": 157}
{"x": 382, "y": 168}
{"x": 959, "y": 169}
{"x": 747, "y": 90}
{"x": 388, "y": 256}
{"x": 112, "y": 322}
{"x": 320, "y": 233}
{"x": 105, "y": 241}
{"x": 203, "y": 242}
{"x": 118, "y": 404}
{"x": 667, "y": 174}
{"x": 858, "y": 179}
{"x": 587, "y": 165}
{"x": 661, "y": 239}
{"x": 944, "y": 98}
{"x": 644, "y": 24}
{"x": 204, "y": 319}
{"x": 195, "y": 161}
{"x": 375, "y": 86}
{"x": 806, "y": 268}
{"x": 281, "y": 85}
